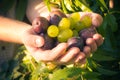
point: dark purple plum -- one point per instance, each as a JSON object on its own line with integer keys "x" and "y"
{"x": 76, "y": 42}
{"x": 87, "y": 33}
{"x": 56, "y": 16}
{"x": 55, "y": 19}
{"x": 49, "y": 42}
{"x": 40, "y": 24}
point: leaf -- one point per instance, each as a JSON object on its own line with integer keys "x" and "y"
{"x": 40, "y": 72}
{"x": 102, "y": 57}
{"x": 103, "y": 3}
{"x": 91, "y": 75}
{"x": 47, "y": 2}
{"x": 106, "y": 71}
{"x": 21, "y": 9}
{"x": 107, "y": 52}
{"x": 68, "y": 4}
{"x": 107, "y": 29}
{"x": 63, "y": 6}
{"x": 111, "y": 20}
{"x": 83, "y": 7}
{"x": 63, "y": 74}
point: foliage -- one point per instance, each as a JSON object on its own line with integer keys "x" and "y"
{"x": 104, "y": 64}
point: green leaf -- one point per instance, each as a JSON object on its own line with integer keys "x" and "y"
{"x": 91, "y": 75}
{"x": 63, "y": 6}
{"x": 107, "y": 29}
{"x": 21, "y": 9}
{"x": 40, "y": 72}
{"x": 68, "y": 4}
{"x": 106, "y": 71}
{"x": 47, "y": 2}
{"x": 82, "y": 6}
{"x": 63, "y": 74}
{"x": 101, "y": 57}
{"x": 104, "y": 50}
{"x": 103, "y": 3}
{"x": 111, "y": 20}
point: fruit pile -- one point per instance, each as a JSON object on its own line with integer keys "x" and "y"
{"x": 59, "y": 28}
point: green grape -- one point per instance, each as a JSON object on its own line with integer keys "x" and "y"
{"x": 64, "y": 24}
{"x": 52, "y": 31}
{"x": 64, "y": 35}
{"x": 74, "y": 18}
{"x": 72, "y": 23}
{"x": 79, "y": 26}
{"x": 87, "y": 21}
{"x": 75, "y": 33}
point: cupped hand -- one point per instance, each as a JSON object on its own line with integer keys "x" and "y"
{"x": 94, "y": 42}
{"x": 59, "y": 55}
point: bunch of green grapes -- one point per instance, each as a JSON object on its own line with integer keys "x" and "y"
{"x": 72, "y": 30}
{"x": 62, "y": 32}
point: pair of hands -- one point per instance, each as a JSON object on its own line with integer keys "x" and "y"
{"x": 58, "y": 54}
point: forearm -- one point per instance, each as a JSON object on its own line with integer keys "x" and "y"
{"x": 12, "y": 30}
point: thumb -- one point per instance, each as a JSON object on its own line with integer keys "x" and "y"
{"x": 34, "y": 41}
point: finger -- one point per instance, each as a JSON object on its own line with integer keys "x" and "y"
{"x": 87, "y": 51}
{"x": 69, "y": 56}
{"x": 81, "y": 57}
{"x": 49, "y": 55}
{"x": 57, "y": 51}
{"x": 98, "y": 39}
{"x": 92, "y": 44}
{"x": 34, "y": 40}
{"x": 96, "y": 18}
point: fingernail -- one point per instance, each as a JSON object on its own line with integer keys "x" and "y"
{"x": 38, "y": 43}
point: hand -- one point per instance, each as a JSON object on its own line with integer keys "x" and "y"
{"x": 97, "y": 40}
{"x": 58, "y": 54}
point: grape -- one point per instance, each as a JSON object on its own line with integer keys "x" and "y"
{"x": 59, "y": 28}
{"x": 40, "y": 24}
{"x": 75, "y": 33}
{"x": 79, "y": 26}
{"x": 64, "y": 24}
{"x": 87, "y": 33}
{"x": 56, "y": 16}
{"x": 87, "y": 21}
{"x": 55, "y": 19}
{"x": 76, "y": 42}
{"x": 64, "y": 35}
{"x": 53, "y": 31}
{"x": 49, "y": 42}
{"x": 74, "y": 18}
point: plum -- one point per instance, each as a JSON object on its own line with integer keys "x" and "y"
{"x": 56, "y": 16}
{"x": 40, "y": 24}
{"x": 87, "y": 32}
{"x": 49, "y": 42}
{"x": 76, "y": 42}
